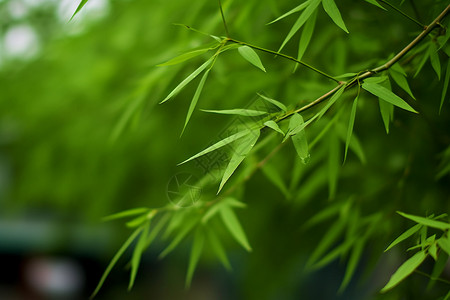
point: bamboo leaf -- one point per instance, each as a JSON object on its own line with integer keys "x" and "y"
{"x": 404, "y": 236}
{"x": 330, "y": 102}
{"x": 218, "y": 248}
{"x": 351, "y": 122}
{"x": 427, "y": 222}
{"x": 274, "y": 176}
{"x": 387, "y": 113}
{"x": 434, "y": 59}
{"x": 243, "y": 147}
{"x": 444, "y": 89}
{"x": 355, "y": 256}
{"x": 234, "y": 227}
{"x": 237, "y": 111}
{"x": 251, "y": 56}
{"x": 184, "y": 57}
{"x": 274, "y": 102}
{"x": 115, "y": 259}
{"x": 333, "y": 11}
{"x": 402, "y": 82}
{"x": 328, "y": 239}
{"x": 307, "y": 33}
{"x": 218, "y": 145}
{"x": 433, "y": 251}
{"x": 80, "y": 6}
{"x": 196, "y": 251}
{"x": 305, "y": 15}
{"x": 294, "y": 10}
{"x": 444, "y": 244}
{"x": 386, "y": 95}
{"x": 300, "y": 142}
{"x": 126, "y": 213}
{"x": 422, "y": 62}
{"x": 187, "y": 227}
{"x": 375, "y": 2}
{"x": 188, "y": 79}
{"x": 405, "y": 270}
{"x": 194, "y": 101}
{"x": 333, "y": 165}
{"x": 271, "y": 124}
{"x": 137, "y": 253}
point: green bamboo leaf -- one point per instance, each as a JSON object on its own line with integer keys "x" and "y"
{"x": 274, "y": 102}
{"x": 433, "y": 251}
{"x": 325, "y": 214}
{"x": 271, "y": 124}
{"x": 237, "y": 111}
{"x": 212, "y": 211}
{"x": 157, "y": 229}
{"x": 351, "y": 122}
{"x": 405, "y": 270}
{"x": 333, "y": 164}
{"x": 422, "y": 62}
{"x": 335, "y": 253}
{"x": 377, "y": 79}
{"x": 353, "y": 261}
{"x": 184, "y": 57}
{"x": 305, "y": 15}
{"x": 404, "y": 236}
{"x": 333, "y": 11}
{"x": 375, "y": 2}
{"x": 387, "y": 113}
{"x": 427, "y": 222}
{"x": 434, "y": 59}
{"x": 80, "y": 6}
{"x": 346, "y": 75}
{"x": 294, "y": 10}
{"x": 386, "y": 95}
{"x": 187, "y": 227}
{"x": 234, "y": 227}
{"x": 251, "y": 56}
{"x": 332, "y": 100}
{"x": 126, "y": 213}
{"x": 137, "y": 254}
{"x": 194, "y": 101}
{"x": 398, "y": 68}
{"x": 115, "y": 259}
{"x": 301, "y": 144}
{"x": 444, "y": 89}
{"x": 439, "y": 267}
{"x": 233, "y": 202}
{"x": 218, "y": 248}
{"x": 188, "y": 79}
{"x": 275, "y": 177}
{"x": 243, "y": 147}
{"x": 444, "y": 244}
{"x": 196, "y": 251}
{"x": 328, "y": 239}
{"x": 307, "y": 33}
{"x": 136, "y": 221}
{"x": 402, "y": 82}
{"x": 219, "y": 144}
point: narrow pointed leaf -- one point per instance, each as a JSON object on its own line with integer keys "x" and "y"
{"x": 218, "y": 248}
{"x": 188, "y": 79}
{"x": 312, "y": 6}
{"x": 184, "y": 57}
{"x": 427, "y": 222}
{"x": 294, "y": 10}
{"x": 386, "y": 95}
{"x": 444, "y": 89}
{"x": 218, "y": 145}
{"x": 333, "y": 11}
{"x": 405, "y": 270}
{"x": 80, "y": 6}
{"x": 251, "y": 56}
{"x": 196, "y": 251}
{"x": 332, "y": 100}
{"x": 305, "y": 38}
{"x": 234, "y": 227}
{"x": 115, "y": 259}
{"x": 402, "y": 82}
{"x": 275, "y": 177}
{"x": 194, "y": 101}
{"x": 434, "y": 59}
{"x": 351, "y": 122}
{"x": 444, "y": 244}
{"x": 273, "y": 125}
{"x": 433, "y": 251}
{"x": 352, "y": 263}
{"x": 137, "y": 254}
{"x": 126, "y": 213}
{"x": 422, "y": 62}
{"x": 237, "y": 111}
{"x": 404, "y": 236}
{"x": 274, "y": 102}
{"x": 186, "y": 228}
{"x": 300, "y": 142}
{"x": 374, "y": 2}
{"x": 328, "y": 239}
{"x": 243, "y": 147}
{"x": 387, "y": 113}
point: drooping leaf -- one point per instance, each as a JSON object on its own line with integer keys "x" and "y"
{"x": 307, "y": 33}
{"x": 115, "y": 259}
{"x": 328, "y": 239}
{"x": 234, "y": 227}
{"x": 156, "y": 229}
{"x": 386, "y": 95}
{"x": 218, "y": 248}
{"x": 188, "y": 79}
{"x": 351, "y": 122}
{"x": 294, "y": 10}
{"x": 439, "y": 267}
{"x": 137, "y": 253}
{"x": 352, "y": 263}
{"x": 184, "y": 57}
{"x": 333, "y": 11}
{"x": 219, "y": 144}
{"x": 300, "y": 142}
{"x": 402, "y": 82}
{"x": 422, "y": 62}
{"x": 433, "y": 251}
{"x": 427, "y": 222}
{"x": 185, "y": 229}
{"x": 335, "y": 253}
{"x": 195, "y": 98}
{"x": 274, "y": 102}
{"x": 126, "y": 213}
{"x": 80, "y": 6}
{"x": 243, "y": 147}
{"x": 375, "y": 2}
{"x": 237, "y": 111}
{"x": 271, "y": 124}
{"x": 325, "y": 214}
{"x": 444, "y": 244}
{"x": 387, "y": 113}
{"x": 304, "y": 16}
{"x": 434, "y": 59}
{"x": 404, "y": 236}
{"x": 251, "y": 56}
{"x": 196, "y": 251}
{"x": 405, "y": 270}
{"x": 446, "y": 81}
{"x": 330, "y": 102}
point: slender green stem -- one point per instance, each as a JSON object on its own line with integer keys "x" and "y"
{"x": 432, "y": 278}
{"x": 402, "y": 13}
{"x": 285, "y": 56}
{"x": 223, "y": 19}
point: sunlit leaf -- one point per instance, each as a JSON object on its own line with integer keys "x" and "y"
{"x": 251, "y": 56}
{"x": 237, "y": 111}
{"x": 126, "y": 213}
{"x": 234, "y": 227}
{"x": 351, "y": 122}
{"x": 307, "y": 33}
{"x": 405, "y": 270}
{"x": 184, "y": 57}
{"x": 185, "y": 229}
{"x": 404, "y": 236}
{"x": 386, "y": 95}
{"x": 444, "y": 89}
{"x": 333, "y": 11}
{"x": 243, "y": 147}
{"x": 271, "y": 124}
{"x": 444, "y": 244}
{"x": 433, "y": 251}
{"x": 274, "y": 102}
{"x": 427, "y": 222}
{"x": 196, "y": 251}
{"x": 137, "y": 254}
{"x": 80, "y": 6}
{"x": 195, "y": 98}
{"x": 294, "y": 10}
{"x": 188, "y": 79}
